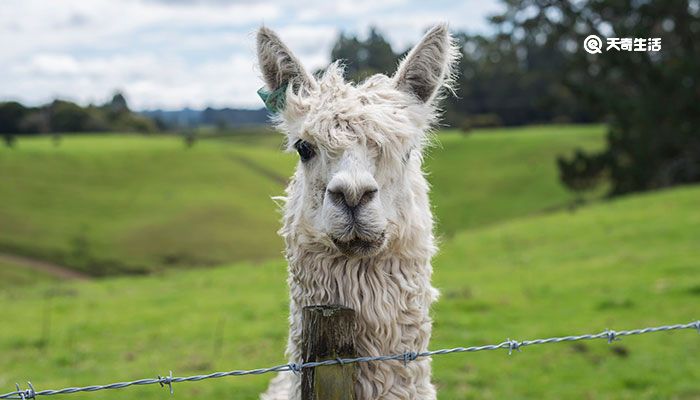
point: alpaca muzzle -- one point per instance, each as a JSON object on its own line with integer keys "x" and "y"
{"x": 358, "y": 247}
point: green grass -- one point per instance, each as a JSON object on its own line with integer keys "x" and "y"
{"x": 110, "y": 204}
{"x": 12, "y": 275}
{"x": 495, "y": 175}
{"x": 624, "y": 264}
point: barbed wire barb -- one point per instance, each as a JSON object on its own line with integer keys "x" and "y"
{"x": 296, "y": 368}
{"x": 409, "y": 356}
{"x": 511, "y": 345}
{"x": 167, "y": 380}
{"x": 612, "y": 336}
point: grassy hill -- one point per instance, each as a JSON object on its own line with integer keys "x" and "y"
{"x": 12, "y": 274}
{"x": 110, "y": 204}
{"x": 624, "y": 264}
{"x": 494, "y": 175}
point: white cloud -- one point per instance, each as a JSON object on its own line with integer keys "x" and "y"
{"x": 148, "y": 81}
{"x": 176, "y": 53}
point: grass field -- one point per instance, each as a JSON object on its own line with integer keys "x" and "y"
{"x": 624, "y": 264}
{"x": 128, "y": 203}
{"x": 109, "y": 204}
{"x": 496, "y": 175}
{"x": 12, "y": 275}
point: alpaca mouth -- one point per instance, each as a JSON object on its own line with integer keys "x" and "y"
{"x": 359, "y": 247}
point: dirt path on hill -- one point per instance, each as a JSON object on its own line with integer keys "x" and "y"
{"x": 52, "y": 269}
{"x": 262, "y": 170}
{"x": 62, "y": 272}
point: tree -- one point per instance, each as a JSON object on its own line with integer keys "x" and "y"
{"x": 37, "y": 120}
{"x": 62, "y": 116}
{"x": 363, "y": 58}
{"x": 513, "y": 76}
{"x": 508, "y": 77}
{"x": 11, "y": 115}
{"x": 68, "y": 117}
{"x": 650, "y": 99}
{"x": 118, "y": 105}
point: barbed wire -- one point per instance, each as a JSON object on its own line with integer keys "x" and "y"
{"x": 510, "y": 345}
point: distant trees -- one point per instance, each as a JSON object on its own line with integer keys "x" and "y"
{"x": 651, "y": 100}
{"x": 70, "y": 117}
{"x": 533, "y": 69}
{"x": 117, "y": 105}
{"x": 121, "y": 118}
{"x": 511, "y": 81}
{"x": 501, "y": 81}
{"x": 65, "y": 116}
{"x": 11, "y": 115}
{"x": 363, "y": 58}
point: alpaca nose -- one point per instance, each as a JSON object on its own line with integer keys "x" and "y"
{"x": 352, "y": 198}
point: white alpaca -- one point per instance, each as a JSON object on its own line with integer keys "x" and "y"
{"x": 357, "y": 221}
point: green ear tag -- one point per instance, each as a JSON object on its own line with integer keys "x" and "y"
{"x": 275, "y": 100}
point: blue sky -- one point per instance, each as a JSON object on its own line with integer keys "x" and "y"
{"x": 188, "y": 53}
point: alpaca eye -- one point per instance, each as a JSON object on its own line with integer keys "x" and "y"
{"x": 305, "y": 150}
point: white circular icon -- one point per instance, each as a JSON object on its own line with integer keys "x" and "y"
{"x": 593, "y": 44}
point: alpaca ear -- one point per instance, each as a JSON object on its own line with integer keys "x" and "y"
{"x": 428, "y": 66}
{"x": 278, "y": 64}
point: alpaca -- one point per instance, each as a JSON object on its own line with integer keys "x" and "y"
{"x": 357, "y": 223}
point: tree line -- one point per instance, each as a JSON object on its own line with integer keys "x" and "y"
{"x": 62, "y": 116}
{"x": 532, "y": 69}
{"x": 499, "y": 81}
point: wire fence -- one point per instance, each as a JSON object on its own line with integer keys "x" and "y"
{"x": 510, "y": 345}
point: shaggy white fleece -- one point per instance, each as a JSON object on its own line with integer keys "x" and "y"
{"x": 372, "y": 134}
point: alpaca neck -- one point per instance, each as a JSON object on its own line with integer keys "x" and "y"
{"x": 384, "y": 288}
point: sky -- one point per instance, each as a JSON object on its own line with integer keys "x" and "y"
{"x": 172, "y": 54}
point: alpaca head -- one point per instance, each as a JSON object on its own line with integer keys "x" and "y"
{"x": 359, "y": 146}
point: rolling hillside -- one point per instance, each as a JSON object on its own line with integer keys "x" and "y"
{"x": 624, "y": 264}
{"x": 495, "y": 175}
{"x": 628, "y": 263}
{"x": 130, "y": 204}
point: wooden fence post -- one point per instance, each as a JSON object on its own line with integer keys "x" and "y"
{"x": 328, "y": 333}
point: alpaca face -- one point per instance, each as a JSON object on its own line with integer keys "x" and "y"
{"x": 352, "y": 172}
{"x": 346, "y": 195}
{"x": 352, "y": 175}
{"x": 359, "y": 146}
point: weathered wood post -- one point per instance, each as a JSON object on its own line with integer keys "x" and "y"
{"x": 328, "y": 333}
